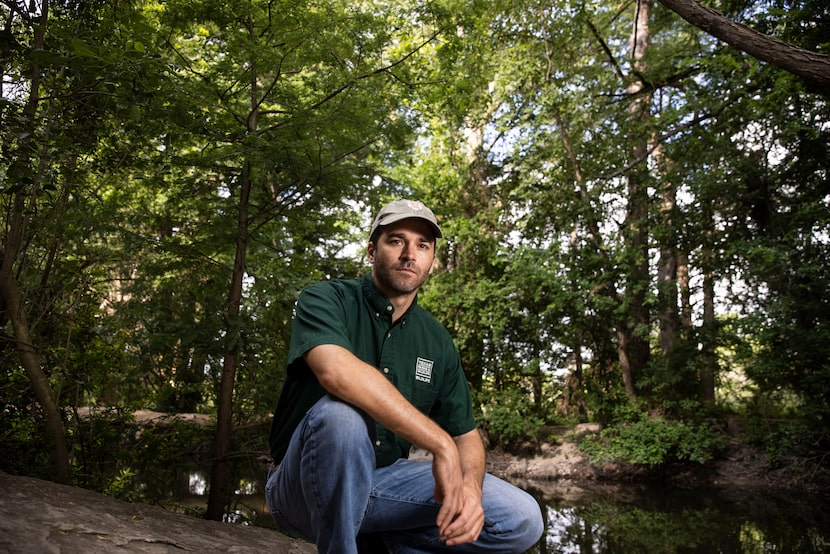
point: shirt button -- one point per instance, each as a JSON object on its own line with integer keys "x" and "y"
{"x": 388, "y": 308}
{"x": 377, "y": 443}
{"x": 386, "y": 370}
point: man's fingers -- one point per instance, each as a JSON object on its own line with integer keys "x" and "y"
{"x": 467, "y": 526}
{"x": 446, "y": 514}
{"x": 463, "y": 534}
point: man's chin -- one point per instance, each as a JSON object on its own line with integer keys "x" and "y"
{"x": 407, "y": 286}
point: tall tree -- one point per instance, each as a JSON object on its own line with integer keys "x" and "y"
{"x": 21, "y": 196}
{"x": 299, "y": 99}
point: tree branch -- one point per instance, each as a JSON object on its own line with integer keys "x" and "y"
{"x": 812, "y": 67}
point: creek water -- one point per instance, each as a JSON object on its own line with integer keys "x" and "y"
{"x": 655, "y": 520}
{"x": 618, "y": 519}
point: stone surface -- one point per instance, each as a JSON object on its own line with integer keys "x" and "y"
{"x": 41, "y": 517}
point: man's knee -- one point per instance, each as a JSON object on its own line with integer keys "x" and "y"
{"x": 532, "y": 526}
{"x": 513, "y": 517}
{"x": 339, "y": 424}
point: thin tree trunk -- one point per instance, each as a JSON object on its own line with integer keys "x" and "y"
{"x": 708, "y": 367}
{"x": 219, "y": 479}
{"x": 38, "y": 380}
{"x": 624, "y": 335}
{"x": 576, "y": 380}
{"x": 667, "y": 291}
{"x": 573, "y": 399}
{"x": 685, "y": 291}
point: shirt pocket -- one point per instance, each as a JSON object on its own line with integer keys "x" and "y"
{"x": 422, "y": 395}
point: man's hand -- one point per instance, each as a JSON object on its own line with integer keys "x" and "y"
{"x": 468, "y": 523}
{"x": 461, "y": 517}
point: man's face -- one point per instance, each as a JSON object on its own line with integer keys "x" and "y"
{"x": 402, "y": 257}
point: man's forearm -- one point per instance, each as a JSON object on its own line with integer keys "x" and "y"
{"x": 355, "y": 382}
{"x": 473, "y": 457}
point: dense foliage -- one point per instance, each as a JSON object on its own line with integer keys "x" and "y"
{"x": 637, "y": 216}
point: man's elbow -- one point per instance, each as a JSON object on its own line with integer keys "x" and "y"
{"x": 322, "y": 362}
{"x": 329, "y": 380}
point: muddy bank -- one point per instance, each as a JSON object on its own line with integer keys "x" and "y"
{"x": 561, "y": 470}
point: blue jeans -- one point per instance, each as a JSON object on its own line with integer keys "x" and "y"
{"x": 328, "y": 490}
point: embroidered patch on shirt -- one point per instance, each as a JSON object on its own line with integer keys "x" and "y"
{"x": 423, "y": 370}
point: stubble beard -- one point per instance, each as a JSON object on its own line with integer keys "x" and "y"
{"x": 392, "y": 282}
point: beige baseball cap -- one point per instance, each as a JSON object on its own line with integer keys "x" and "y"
{"x": 404, "y": 209}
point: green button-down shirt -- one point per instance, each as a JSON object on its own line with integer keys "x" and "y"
{"x": 416, "y": 354}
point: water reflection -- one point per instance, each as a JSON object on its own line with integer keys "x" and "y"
{"x": 197, "y": 484}
{"x": 654, "y": 520}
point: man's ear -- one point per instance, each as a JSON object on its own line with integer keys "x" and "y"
{"x": 370, "y": 252}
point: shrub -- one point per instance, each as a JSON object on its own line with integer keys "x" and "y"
{"x": 653, "y": 442}
{"x": 509, "y": 419}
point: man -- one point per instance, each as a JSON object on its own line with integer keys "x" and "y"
{"x": 371, "y": 373}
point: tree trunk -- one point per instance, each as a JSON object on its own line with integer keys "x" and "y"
{"x": 667, "y": 266}
{"x": 685, "y": 290}
{"x": 39, "y": 381}
{"x": 573, "y": 397}
{"x": 633, "y": 346}
{"x": 708, "y": 366}
{"x": 667, "y": 291}
{"x": 219, "y": 477}
{"x": 219, "y": 493}
{"x": 575, "y": 382}
{"x": 624, "y": 335}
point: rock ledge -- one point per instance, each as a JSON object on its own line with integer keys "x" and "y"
{"x": 37, "y": 516}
